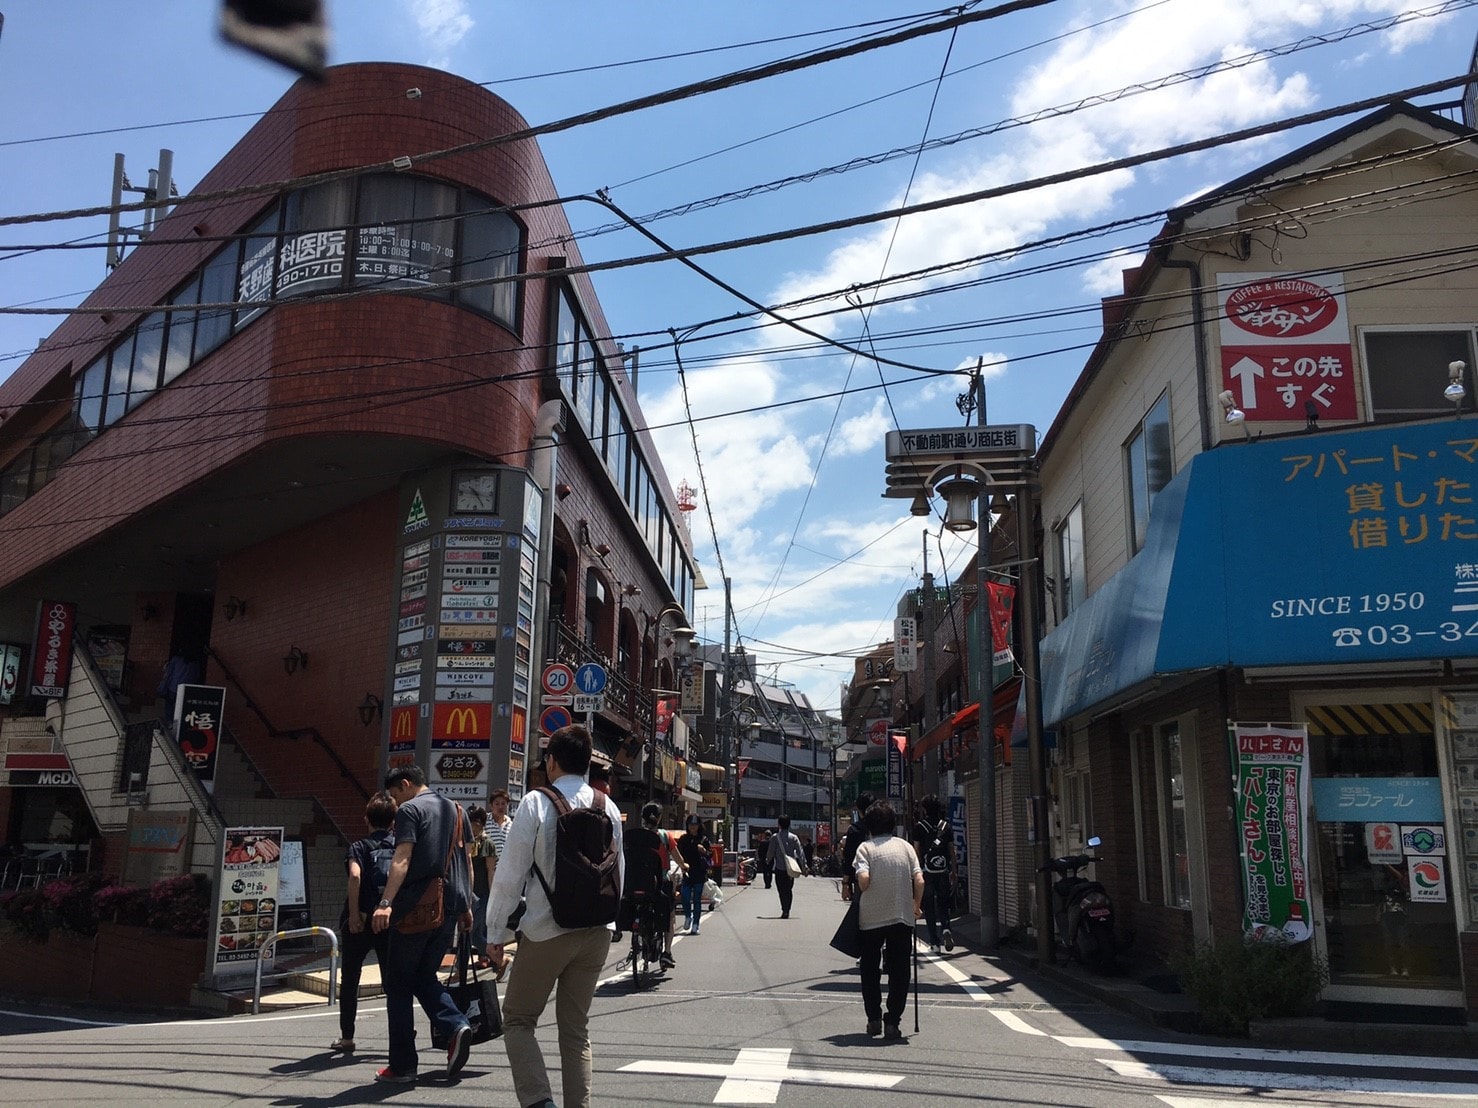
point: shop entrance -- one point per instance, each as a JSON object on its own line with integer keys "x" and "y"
{"x": 1383, "y": 890}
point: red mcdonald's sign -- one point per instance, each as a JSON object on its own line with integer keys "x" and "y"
{"x": 461, "y": 721}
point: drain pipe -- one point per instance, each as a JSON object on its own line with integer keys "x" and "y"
{"x": 1198, "y": 332}
{"x": 544, "y": 465}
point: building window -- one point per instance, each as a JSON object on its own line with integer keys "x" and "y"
{"x": 1070, "y": 567}
{"x": 1148, "y": 467}
{"x": 1175, "y": 856}
{"x": 1406, "y": 371}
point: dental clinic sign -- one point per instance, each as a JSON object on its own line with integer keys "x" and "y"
{"x": 1272, "y": 805}
{"x": 1285, "y": 347}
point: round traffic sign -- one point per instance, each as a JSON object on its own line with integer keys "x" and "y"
{"x": 553, "y": 718}
{"x": 558, "y": 678}
{"x": 590, "y": 679}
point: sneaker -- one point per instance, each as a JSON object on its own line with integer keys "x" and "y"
{"x": 667, "y": 961}
{"x": 892, "y": 1031}
{"x": 949, "y": 939}
{"x": 458, "y": 1050}
{"x": 388, "y": 1076}
{"x": 874, "y": 1028}
{"x": 344, "y": 1045}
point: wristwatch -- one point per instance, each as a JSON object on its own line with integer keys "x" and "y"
{"x": 383, "y": 904}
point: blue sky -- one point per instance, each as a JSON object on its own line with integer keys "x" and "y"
{"x": 818, "y": 559}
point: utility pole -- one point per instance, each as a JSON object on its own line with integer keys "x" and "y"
{"x": 726, "y": 719}
{"x": 983, "y": 678}
{"x": 926, "y": 633}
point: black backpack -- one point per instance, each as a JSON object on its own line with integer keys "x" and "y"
{"x": 935, "y": 843}
{"x": 373, "y": 876}
{"x": 587, "y": 886}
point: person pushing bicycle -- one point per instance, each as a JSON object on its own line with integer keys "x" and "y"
{"x": 649, "y": 861}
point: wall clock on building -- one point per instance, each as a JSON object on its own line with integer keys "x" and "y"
{"x": 475, "y": 492}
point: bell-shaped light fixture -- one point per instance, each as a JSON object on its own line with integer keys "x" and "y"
{"x": 682, "y": 640}
{"x": 959, "y": 503}
{"x": 1454, "y": 391}
{"x": 1234, "y": 414}
{"x": 920, "y": 506}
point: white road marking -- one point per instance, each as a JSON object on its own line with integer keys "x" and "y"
{"x": 755, "y": 1077}
{"x": 1264, "y": 1054}
{"x": 1245, "y": 1102}
{"x": 63, "y": 1019}
{"x": 973, "y": 990}
{"x": 1315, "y": 1082}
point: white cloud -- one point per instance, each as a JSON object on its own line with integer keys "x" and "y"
{"x": 443, "y": 25}
{"x": 1106, "y": 278}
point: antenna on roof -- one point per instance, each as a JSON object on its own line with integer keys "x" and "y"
{"x": 158, "y": 196}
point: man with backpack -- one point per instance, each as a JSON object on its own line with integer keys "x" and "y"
{"x": 564, "y": 855}
{"x": 936, "y": 849}
{"x": 430, "y": 854}
{"x": 368, "y": 862}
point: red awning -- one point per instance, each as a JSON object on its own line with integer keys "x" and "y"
{"x": 966, "y": 722}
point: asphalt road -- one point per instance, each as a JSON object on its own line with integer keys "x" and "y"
{"x": 758, "y": 1011}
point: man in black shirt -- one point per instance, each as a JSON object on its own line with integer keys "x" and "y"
{"x": 649, "y": 859}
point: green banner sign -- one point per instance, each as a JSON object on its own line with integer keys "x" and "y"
{"x": 1272, "y": 815}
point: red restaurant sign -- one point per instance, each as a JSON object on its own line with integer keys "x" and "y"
{"x": 51, "y": 654}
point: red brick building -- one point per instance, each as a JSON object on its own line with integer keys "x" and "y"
{"x": 212, "y": 458}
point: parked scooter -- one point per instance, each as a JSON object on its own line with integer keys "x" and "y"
{"x": 1082, "y": 911}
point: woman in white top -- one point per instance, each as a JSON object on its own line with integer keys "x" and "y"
{"x": 892, "y": 887}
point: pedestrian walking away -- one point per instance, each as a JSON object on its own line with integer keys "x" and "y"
{"x": 856, "y": 835}
{"x": 891, "y": 883}
{"x": 696, "y": 849}
{"x": 484, "y": 855}
{"x": 563, "y": 940}
{"x": 936, "y": 850}
{"x": 430, "y": 846}
{"x": 762, "y": 857}
{"x": 368, "y": 863}
{"x": 785, "y": 845}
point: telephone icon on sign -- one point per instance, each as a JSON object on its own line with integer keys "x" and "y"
{"x": 1347, "y": 636}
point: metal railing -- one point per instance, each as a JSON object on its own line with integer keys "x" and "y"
{"x": 299, "y": 933}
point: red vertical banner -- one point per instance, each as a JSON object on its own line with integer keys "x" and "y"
{"x": 51, "y": 653}
{"x": 1002, "y": 600}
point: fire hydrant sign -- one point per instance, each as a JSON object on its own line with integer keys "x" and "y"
{"x": 1285, "y": 347}
{"x": 1272, "y": 814}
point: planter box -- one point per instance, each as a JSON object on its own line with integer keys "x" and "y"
{"x": 136, "y": 965}
{"x": 59, "y": 968}
{"x": 120, "y": 965}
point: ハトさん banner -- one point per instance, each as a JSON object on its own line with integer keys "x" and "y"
{"x": 1272, "y": 807}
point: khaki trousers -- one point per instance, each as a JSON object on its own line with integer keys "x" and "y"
{"x": 568, "y": 965}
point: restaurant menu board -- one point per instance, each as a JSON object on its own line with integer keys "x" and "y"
{"x": 246, "y": 911}
{"x": 1463, "y": 720}
{"x": 463, "y": 623}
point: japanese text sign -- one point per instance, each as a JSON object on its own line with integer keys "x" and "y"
{"x": 1272, "y": 801}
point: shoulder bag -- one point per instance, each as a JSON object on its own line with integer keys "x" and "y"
{"x": 429, "y": 912}
{"x": 792, "y": 867}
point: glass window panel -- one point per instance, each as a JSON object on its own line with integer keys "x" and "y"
{"x": 1177, "y": 848}
{"x": 181, "y": 336}
{"x": 120, "y": 369}
{"x": 395, "y": 250}
{"x": 1070, "y": 561}
{"x": 491, "y": 245}
{"x": 1407, "y": 372}
{"x": 314, "y": 238}
{"x": 564, "y": 344}
{"x": 589, "y": 371}
{"x": 90, "y": 386}
{"x": 258, "y": 255}
{"x": 15, "y": 483}
{"x": 148, "y": 350}
{"x": 217, "y": 286}
{"x": 1149, "y": 465}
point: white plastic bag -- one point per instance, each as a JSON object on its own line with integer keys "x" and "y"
{"x": 713, "y": 893}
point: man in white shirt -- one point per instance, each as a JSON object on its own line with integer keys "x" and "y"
{"x": 548, "y": 955}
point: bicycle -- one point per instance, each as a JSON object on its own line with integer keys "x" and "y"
{"x": 648, "y": 930}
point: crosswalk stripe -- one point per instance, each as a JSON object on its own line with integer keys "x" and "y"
{"x": 1314, "y": 1082}
{"x": 1263, "y": 1054}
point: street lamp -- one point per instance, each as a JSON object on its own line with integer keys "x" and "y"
{"x": 682, "y": 644}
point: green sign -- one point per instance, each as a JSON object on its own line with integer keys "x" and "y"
{"x": 1272, "y": 818}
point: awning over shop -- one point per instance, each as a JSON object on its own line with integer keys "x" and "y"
{"x": 967, "y": 719}
{"x": 1321, "y": 549}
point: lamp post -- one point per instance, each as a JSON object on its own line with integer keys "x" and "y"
{"x": 682, "y": 642}
{"x": 965, "y": 465}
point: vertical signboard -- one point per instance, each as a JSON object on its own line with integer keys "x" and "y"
{"x": 197, "y": 722}
{"x": 897, "y": 765}
{"x": 1285, "y": 347}
{"x": 246, "y": 912}
{"x": 1272, "y": 815}
{"x": 51, "y": 650}
{"x": 10, "y": 672}
{"x": 905, "y": 644}
{"x": 460, "y": 660}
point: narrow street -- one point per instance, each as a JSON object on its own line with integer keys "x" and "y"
{"x": 759, "y": 1011}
